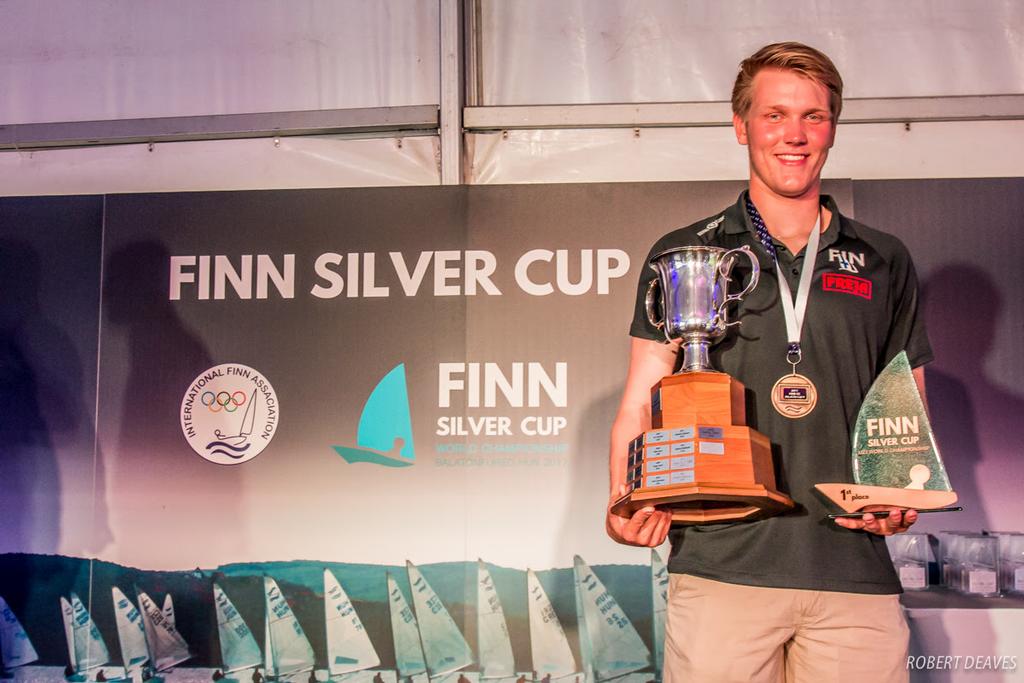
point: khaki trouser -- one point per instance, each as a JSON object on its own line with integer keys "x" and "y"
{"x": 721, "y": 632}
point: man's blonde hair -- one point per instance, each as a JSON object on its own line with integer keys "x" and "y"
{"x": 792, "y": 56}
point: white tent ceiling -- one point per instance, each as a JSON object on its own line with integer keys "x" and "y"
{"x": 143, "y": 60}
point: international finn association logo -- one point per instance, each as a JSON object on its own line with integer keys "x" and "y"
{"x": 384, "y": 435}
{"x": 229, "y": 414}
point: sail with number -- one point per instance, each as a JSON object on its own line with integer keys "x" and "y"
{"x": 131, "y": 635}
{"x": 444, "y": 646}
{"x": 659, "y": 596}
{"x": 552, "y": 655}
{"x": 15, "y": 647}
{"x": 168, "y": 610}
{"x": 288, "y": 650}
{"x": 409, "y": 659}
{"x": 268, "y": 650}
{"x": 586, "y": 646}
{"x": 238, "y": 648}
{"x": 496, "y": 659}
{"x": 69, "y": 634}
{"x": 615, "y": 646}
{"x": 348, "y": 645}
{"x": 166, "y": 645}
{"x": 89, "y": 648}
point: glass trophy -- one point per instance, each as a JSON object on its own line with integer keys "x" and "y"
{"x": 895, "y": 458}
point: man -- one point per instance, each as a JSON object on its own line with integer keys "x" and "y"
{"x": 794, "y": 597}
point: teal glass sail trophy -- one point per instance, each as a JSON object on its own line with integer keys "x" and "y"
{"x": 895, "y": 458}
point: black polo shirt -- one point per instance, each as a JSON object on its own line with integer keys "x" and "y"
{"x": 862, "y": 310}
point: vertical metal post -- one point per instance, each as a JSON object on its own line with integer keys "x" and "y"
{"x": 473, "y": 45}
{"x": 451, "y": 91}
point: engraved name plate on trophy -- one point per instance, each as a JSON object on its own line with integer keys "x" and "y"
{"x": 895, "y": 458}
{"x": 699, "y": 459}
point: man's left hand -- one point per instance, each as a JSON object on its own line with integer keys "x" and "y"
{"x": 898, "y": 521}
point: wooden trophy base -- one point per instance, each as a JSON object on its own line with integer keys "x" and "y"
{"x": 701, "y": 460}
{"x": 707, "y": 502}
{"x": 856, "y": 497}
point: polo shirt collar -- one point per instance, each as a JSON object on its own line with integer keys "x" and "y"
{"x": 737, "y": 221}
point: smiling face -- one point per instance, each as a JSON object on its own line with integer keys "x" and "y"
{"x": 788, "y": 132}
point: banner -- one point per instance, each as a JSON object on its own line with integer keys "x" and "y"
{"x": 341, "y": 433}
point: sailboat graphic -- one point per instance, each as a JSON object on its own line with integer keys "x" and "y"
{"x": 86, "y": 648}
{"x": 549, "y": 648}
{"x": 166, "y": 646}
{"x": 659, "y": 608}
{"x": 15, "y": 647}
{"x": 168, "y": 608}
{"x": 237, "y": 443}
{"x": 238, "y": 648}
{"x": 131, "y": 634}
{"x": 287, "y": 650}
{"x": 445, "y": 649}
{"x": 409, "y": 660}
{"x": 384, "y": 436}
{"x": 609, "y": 644}
{"x": 497, "y": 662}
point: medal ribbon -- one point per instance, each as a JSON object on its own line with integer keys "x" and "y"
{"x": 794, "y": 312}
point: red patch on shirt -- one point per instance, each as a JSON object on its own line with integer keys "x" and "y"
{"x": 847, "y": 284}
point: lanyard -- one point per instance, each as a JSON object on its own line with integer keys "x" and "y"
{"x": 793, "y": 312}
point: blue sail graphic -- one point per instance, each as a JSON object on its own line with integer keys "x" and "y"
{"x": 384, "y": 436}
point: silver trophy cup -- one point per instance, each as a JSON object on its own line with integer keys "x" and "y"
{"x": 692, "y": 288}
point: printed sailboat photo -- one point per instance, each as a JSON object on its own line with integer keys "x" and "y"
{"x": 15, "y": 648}
{"x": 166, "y": 646}
{"x": 131, "y": 635}
{"x": 238, "y": 648}
{"x": 444, "y": 647}
{"x": 513, "y": 617}
{"x": 609, "y": 643}
{"x": 288, "y": 652}
{"x": 86, "y": 648}
{"x": 659, "y": 606}
{"x": 497, "y": 663}
{"x": 552, "y": 656}
{"x": 410, "y": 664}
{"x": 351, "y": 656}
{"x": 168, "y": 608}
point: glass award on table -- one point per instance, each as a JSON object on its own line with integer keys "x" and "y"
{"x": 895, "y": 459}
{"x": 700, "y": 459}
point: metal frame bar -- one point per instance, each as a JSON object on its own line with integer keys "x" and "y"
{"x": 473, "y": 42}
{"x": 367, "y": 122}
{"x": 452, "y": 86}
{"x": 702, "y": 114}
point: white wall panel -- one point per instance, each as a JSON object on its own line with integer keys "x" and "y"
{"x": 81, "y": 60}
{"x": 587, "y": 51}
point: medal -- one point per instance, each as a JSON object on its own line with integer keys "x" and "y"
{"x": 793, "y": 395}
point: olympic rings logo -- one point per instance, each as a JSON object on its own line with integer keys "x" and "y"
{"x": 222, "y": 400}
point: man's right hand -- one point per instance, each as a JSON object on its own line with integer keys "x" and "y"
{"x": 647, "y": 527}
{"x": 649, "y": 361}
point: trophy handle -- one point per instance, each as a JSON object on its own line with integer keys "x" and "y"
{"x": 755, "y": 274}
{"x": 649, "y": 299}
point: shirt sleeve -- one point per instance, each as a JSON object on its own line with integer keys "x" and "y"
{"x": 907, "y": 332}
